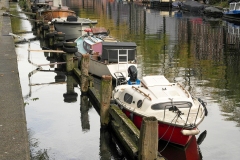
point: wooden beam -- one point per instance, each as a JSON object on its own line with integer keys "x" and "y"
{"x": 52, "y": 51}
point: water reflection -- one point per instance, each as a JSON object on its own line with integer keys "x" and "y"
{"x": 35, "y": 152}
{"x": 84, "y": 108}
{"x": 171, "y": 151}
{"x": 200, "y": 53}
{"x": 70, "y": 96}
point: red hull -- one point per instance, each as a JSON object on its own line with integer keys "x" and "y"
{"x": 165, "y": 132}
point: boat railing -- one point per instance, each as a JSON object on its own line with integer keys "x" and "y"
{"x": 173, "y": 107}
{"x": 140, "y": 91}
{"x": 184, "y": 90}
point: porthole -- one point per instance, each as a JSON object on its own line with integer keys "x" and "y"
{"x": 128, "y": 98}
{"x": 139, "y": 103}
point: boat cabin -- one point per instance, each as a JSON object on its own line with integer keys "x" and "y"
{"x": 114, "y": 52}
{"x": 111, "y": 52}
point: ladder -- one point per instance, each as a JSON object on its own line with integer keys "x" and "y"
{"x": 124, "y": 60}
{"x": 122, "y": 67}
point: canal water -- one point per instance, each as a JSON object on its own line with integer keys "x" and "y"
{"x": 199, "y": 52}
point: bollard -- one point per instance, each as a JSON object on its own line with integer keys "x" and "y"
{"x": 105, "y": 97}
{"x": 84, "y": 70}
{"x": 148, "y": 142}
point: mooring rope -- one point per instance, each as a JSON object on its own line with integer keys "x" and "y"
{"x": 170, "y": 136}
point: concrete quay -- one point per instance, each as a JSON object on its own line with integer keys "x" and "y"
{"x": 14, "y": 143}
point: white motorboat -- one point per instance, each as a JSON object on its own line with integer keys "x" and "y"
{"x": 177, "y": 112}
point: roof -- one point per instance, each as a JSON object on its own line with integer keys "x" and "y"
{"x": 119, "y": 44}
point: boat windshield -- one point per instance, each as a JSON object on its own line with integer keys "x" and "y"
{"x": 167, "y": 105}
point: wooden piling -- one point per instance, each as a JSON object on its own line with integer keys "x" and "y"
{"x": 69, "y": 60}
{"x": 148, "y": 142}
{"x": 105, "y": 97}
{"x": 84, "y": 72}
{"x": 50, "y": 35}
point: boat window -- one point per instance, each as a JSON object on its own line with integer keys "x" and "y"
{"x": 139, "y": 103}
{"x": 128, "y": 98}
{"x": 237, "y": 6}
{"x": 88, "y": 47}
{"x": 167, "y": 105}
{"x": 232, "y": 6}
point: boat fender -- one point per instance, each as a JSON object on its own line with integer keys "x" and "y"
{"x": 190, "y": 132}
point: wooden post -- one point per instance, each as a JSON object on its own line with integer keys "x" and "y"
{"x": 45, "y": 28}
{"x": 75, "y": 62}
{"x": 51, "y": 35}
{"x": 105, "y": 96}
{"x": 84, "y": 70}
{"x": 148, "y": 142}
{"x": 69, "y": 60}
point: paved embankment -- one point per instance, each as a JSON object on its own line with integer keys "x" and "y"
{"x": 13, "y": 128}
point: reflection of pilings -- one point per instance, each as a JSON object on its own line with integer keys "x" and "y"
{"x": 84, "y": 107}
{"x": 29, "y": 82}
{"x": 84, "y": 70}
{"x": 203, "y": 41}
{"x": 71, "y": 95}
{"x": 60, "y": 77}
{"x": 105, "y": 139}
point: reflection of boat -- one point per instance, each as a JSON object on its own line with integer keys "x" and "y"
{"x": 189, "y": 152}
{"x": 177, "y": 112}
{"x": 232, "y": 13}
{"x": 54, "y": 12}
{"x": 72, "y": 26}
{"x": 107, "y": 55}
{"x": 233, "y": 29}
{"x": 192, "y": 6}
{"x": 45, "y": 11}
